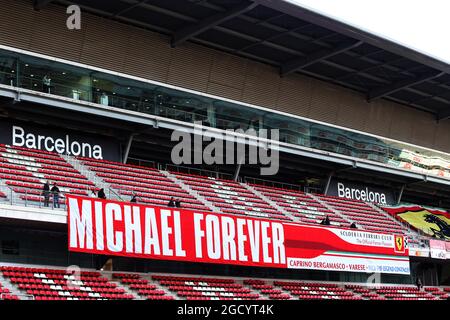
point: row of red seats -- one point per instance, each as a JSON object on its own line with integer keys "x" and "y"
{"x": 48, "y": 271}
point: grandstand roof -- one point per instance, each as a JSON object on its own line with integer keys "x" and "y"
{"x": 294, "y": 40}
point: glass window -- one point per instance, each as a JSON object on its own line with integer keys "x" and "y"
{"x": 104, "y": 88}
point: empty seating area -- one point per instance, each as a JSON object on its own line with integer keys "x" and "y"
{"x": 404, "y": 293}
{"x": 267, "y": 290}
{"x": 400, "y": 292}
{"x": 26, "y": 170}
{"x": 56, "y": 284}
{"x": 314, "y": 291}
{"x": 142, "y": 287}
{"x": 206, "y": 288}
{"x": 149, "y": 184}
{"x": 300, "y": 205}
{"x": 363, "y": 215}
{"x": 230, "y": 197}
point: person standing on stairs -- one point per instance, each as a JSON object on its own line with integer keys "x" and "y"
{"x": 46, "y": 193}
{"x": 55, "y": 191}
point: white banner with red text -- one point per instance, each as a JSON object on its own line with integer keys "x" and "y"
{"x": 143, "y": 231}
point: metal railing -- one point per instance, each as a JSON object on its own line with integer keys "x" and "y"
{"x": 33, "y": 198}
{"x": 202, "y": 172}
{"x": 275, "y": 184}
{"x": 142, "y": 162}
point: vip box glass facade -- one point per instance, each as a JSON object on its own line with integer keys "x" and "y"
{"x": 69, "y": 80}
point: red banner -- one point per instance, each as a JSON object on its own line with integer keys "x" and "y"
{"x": 134, "y": 230}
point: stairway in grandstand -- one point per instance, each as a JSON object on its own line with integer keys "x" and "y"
{"x": 5, "y": 292}
{"x": 230, "y": 197}
{"x": 51, "y": 283}
{"x": 149, "y": 184}
{"x": 300, "y": 205}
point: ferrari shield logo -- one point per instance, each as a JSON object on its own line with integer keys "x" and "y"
{"x": 399, "y": 244}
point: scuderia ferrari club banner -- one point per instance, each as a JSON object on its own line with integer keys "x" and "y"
{"x": 140, "y": 231}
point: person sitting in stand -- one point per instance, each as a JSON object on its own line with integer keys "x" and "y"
{"x": 101, "y": 194}
{"x": 93, "y": 194}
{"x": 353, "y": 226}
{"x": 326, "y": 221}
{"x": 46, "y": 193}
{"x": 134, "y": 198}
{"x": 171, "y": 202}
{"x": 55, "y": 191}
{"x": 46, "y": 84}
{"x": 178, "y": 203}
{"x": 419, "y": 284}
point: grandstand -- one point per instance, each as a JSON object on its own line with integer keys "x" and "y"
{"x": 363, "y": 134}
{"x": 52, "y": 284}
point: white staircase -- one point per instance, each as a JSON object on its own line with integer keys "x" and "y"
{"x": 111, "y": 193}
{"x": 270, "y": 202}
{"x": 163, "y": 288}
{"x": 127, "y": 290}
{"x": 13, "y": 289}
{"x": 336, "y": 212}
{"x": 191, "y": 191}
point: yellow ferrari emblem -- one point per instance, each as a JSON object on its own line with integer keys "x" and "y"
{"x": 399, "y": 243}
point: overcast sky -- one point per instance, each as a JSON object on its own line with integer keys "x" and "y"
{"x": 423, "y": 25}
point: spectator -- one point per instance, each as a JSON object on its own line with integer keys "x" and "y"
{"x": 171, "y": 202}
{"x": 93, "y": 194}
{"x": 55, "y": 191}
{"x": 326, "y": 221}
{"x": 46, "y": 84}
{"x": 104, "y": 99}
{"x": 46, "y": 193}
{"x": 178, "y": 203}
{"x": 419, "y": 283}
{"x": 133, "y": 199}
{"x": 101, "y": 194}
{"x": 353, "y": 226}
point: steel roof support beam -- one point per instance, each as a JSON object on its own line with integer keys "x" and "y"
{"x": 189, "y": 32}
{"x": 128, "y": 147}
{"x": 137, "y": 4}
{"x": 300, "y": 63}
{"x": 40, "y": 4}
{"x": 400, "y": 85}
